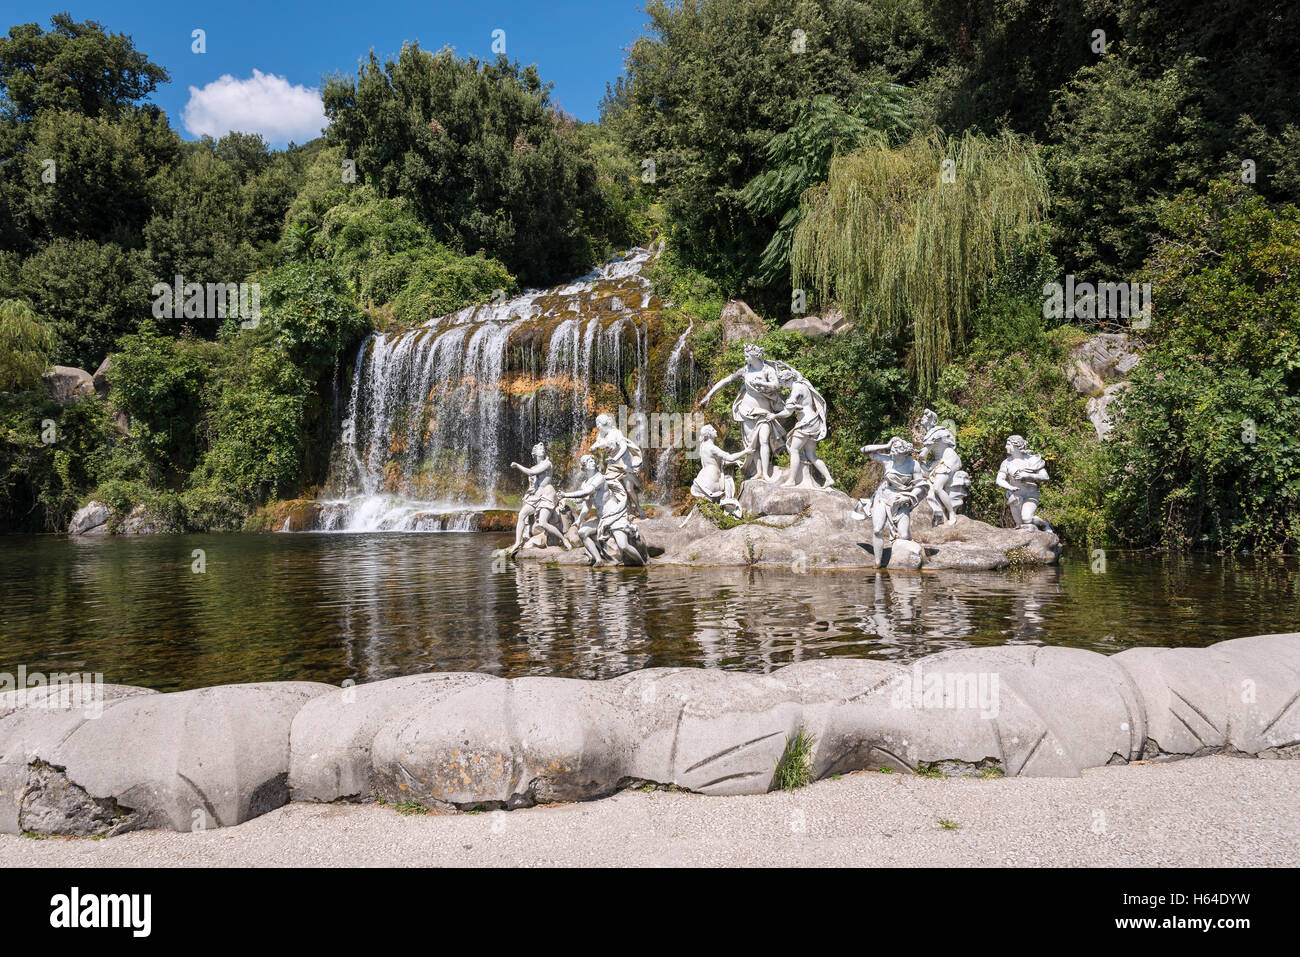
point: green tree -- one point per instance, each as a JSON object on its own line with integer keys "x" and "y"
{"x": 478, "y": 151}
{"x": 89, "y": 293}
{"x": 800, "y": 158}
{"x": 907, "y": 239}
{"x": 25, "y": 344}
{"x": 1205, "y": 452}
{"x": 75, "y": 66}
{"x": 713, "y": 82}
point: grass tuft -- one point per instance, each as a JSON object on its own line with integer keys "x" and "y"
{"x": 794, "y": 770}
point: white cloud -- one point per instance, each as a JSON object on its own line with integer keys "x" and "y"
{"x": 263, "y": 103}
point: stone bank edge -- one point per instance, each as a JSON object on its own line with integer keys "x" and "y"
{"x": 219, "y": 756}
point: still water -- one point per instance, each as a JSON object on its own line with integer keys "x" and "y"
{"x": 367, "y": 606}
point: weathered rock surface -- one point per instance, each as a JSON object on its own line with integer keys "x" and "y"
{"x": 740, "y": 323}
{"x": 811, "y": 529}
{"x": 1100, "y": 359}
{"x": 340, "y": 725}
{"x": 206, "y": 758}
{"x": 100, "y": 379}
{"x": 91, "y": 519}
{"x": 66, "y": 384}
{"x": 221, "y": 755}
{"x": 1240, "y": 696}
{"x": 139, "y": 521}
{"x": 1099, "y": 408}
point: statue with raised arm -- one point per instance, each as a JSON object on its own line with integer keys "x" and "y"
{"x": 808, "y": 409}
{"x": 541, "y": 502}
{"x": 608, "y": 531}
{"x": 713, "y": 483}
{"x": 902, "y": 487}
{"x": 756, "y": 407}
{"x": 1021, "y": 474}
{"x": 623, "y": 458}
{"x": 949, "y": 483}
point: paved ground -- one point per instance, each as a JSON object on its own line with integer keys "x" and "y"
{"x": 1215, "y": 811}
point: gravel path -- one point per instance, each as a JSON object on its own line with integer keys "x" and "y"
{"x": 1214, "y": 811}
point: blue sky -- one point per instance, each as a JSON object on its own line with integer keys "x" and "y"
{"x": 577, "y": 46}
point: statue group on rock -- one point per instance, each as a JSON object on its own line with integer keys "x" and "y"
{"x": 772, "y": 423}
{"x": 607, "y": 502}
{"x": 778, "y": 411}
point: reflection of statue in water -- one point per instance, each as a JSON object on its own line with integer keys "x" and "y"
{"x": 1021, "y": 473}
{"x": 809, "y": 428}
{"x": 899, "y": 491}
{"x": 541, "y": 502}
{"x": 713, "y": 483}
{"x": 608, "y": 533}
{"x": 949, "y": 483}
{"x": 756, "y": 408}
{"x": 623, "y": 461}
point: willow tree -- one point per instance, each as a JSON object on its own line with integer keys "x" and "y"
{"x": 906, "y": 239}
{"x": 25, "y": 345}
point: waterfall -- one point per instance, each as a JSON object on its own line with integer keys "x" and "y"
{"x": 665, "y": 473}
{"x": 436, "y": 413}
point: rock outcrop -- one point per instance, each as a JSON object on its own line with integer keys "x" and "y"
{"x": 91, "y": 519}
{"x": 219, "y": 756}
{"x": 65, "y": 384}
{"x": 1098, "y": 368}
{"x": 830, "y": 323}
{"x": 809, "y": 529}
{"x": 740, "y": 323}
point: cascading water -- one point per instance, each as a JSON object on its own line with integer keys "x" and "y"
{"x": 436, "y": 413}
{"x": 665, "y": 473}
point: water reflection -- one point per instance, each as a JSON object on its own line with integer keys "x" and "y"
{"x": 330, "y": 607}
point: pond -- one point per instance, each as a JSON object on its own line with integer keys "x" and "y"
{"x": 329, "y": 607}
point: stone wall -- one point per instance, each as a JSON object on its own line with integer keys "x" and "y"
{"x": 219, "y": 756}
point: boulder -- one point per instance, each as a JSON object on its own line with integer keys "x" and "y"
{"x": 140, "y": 522}
{"x": 187, "y": 760}
{"x": 1108, "y": 355}
{"x": 974, "y": 545}
{"x": 330, "y": 739}
{"x": 100, "y": 378}
{"x": 66, "y": 384}
{"x": 1099, "y": 408}
{"x": 739, "y": 322}
{"x": 758, "y": 497}
{"x": 34, "y": 721}
{"x": 1238, "y": 696}
{"x": 815, "y": 327}
{"x": 91, "y": 519}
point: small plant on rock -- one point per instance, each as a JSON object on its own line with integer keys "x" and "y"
{"x": 794, "y": 770}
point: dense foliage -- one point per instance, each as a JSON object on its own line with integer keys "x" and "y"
{"x": 1207, "y": 451}
{"x": 925, "y": 166}
{"x": 907, "y": 239}
{"x": 479, "y": 153}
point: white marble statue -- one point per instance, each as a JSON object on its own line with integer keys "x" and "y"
{"x": 607, "y": 534}
{"x": 757, "y": 408}
{"x": 713, "y": 483}
{"x": 902, "y": 487}
{"x": 808, "y": 409}
{"x": 623, "y": 458}
{"x": 541, "y": 503}
{"x": 949, "y": 483}
{"x": 1021, "y": 474}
